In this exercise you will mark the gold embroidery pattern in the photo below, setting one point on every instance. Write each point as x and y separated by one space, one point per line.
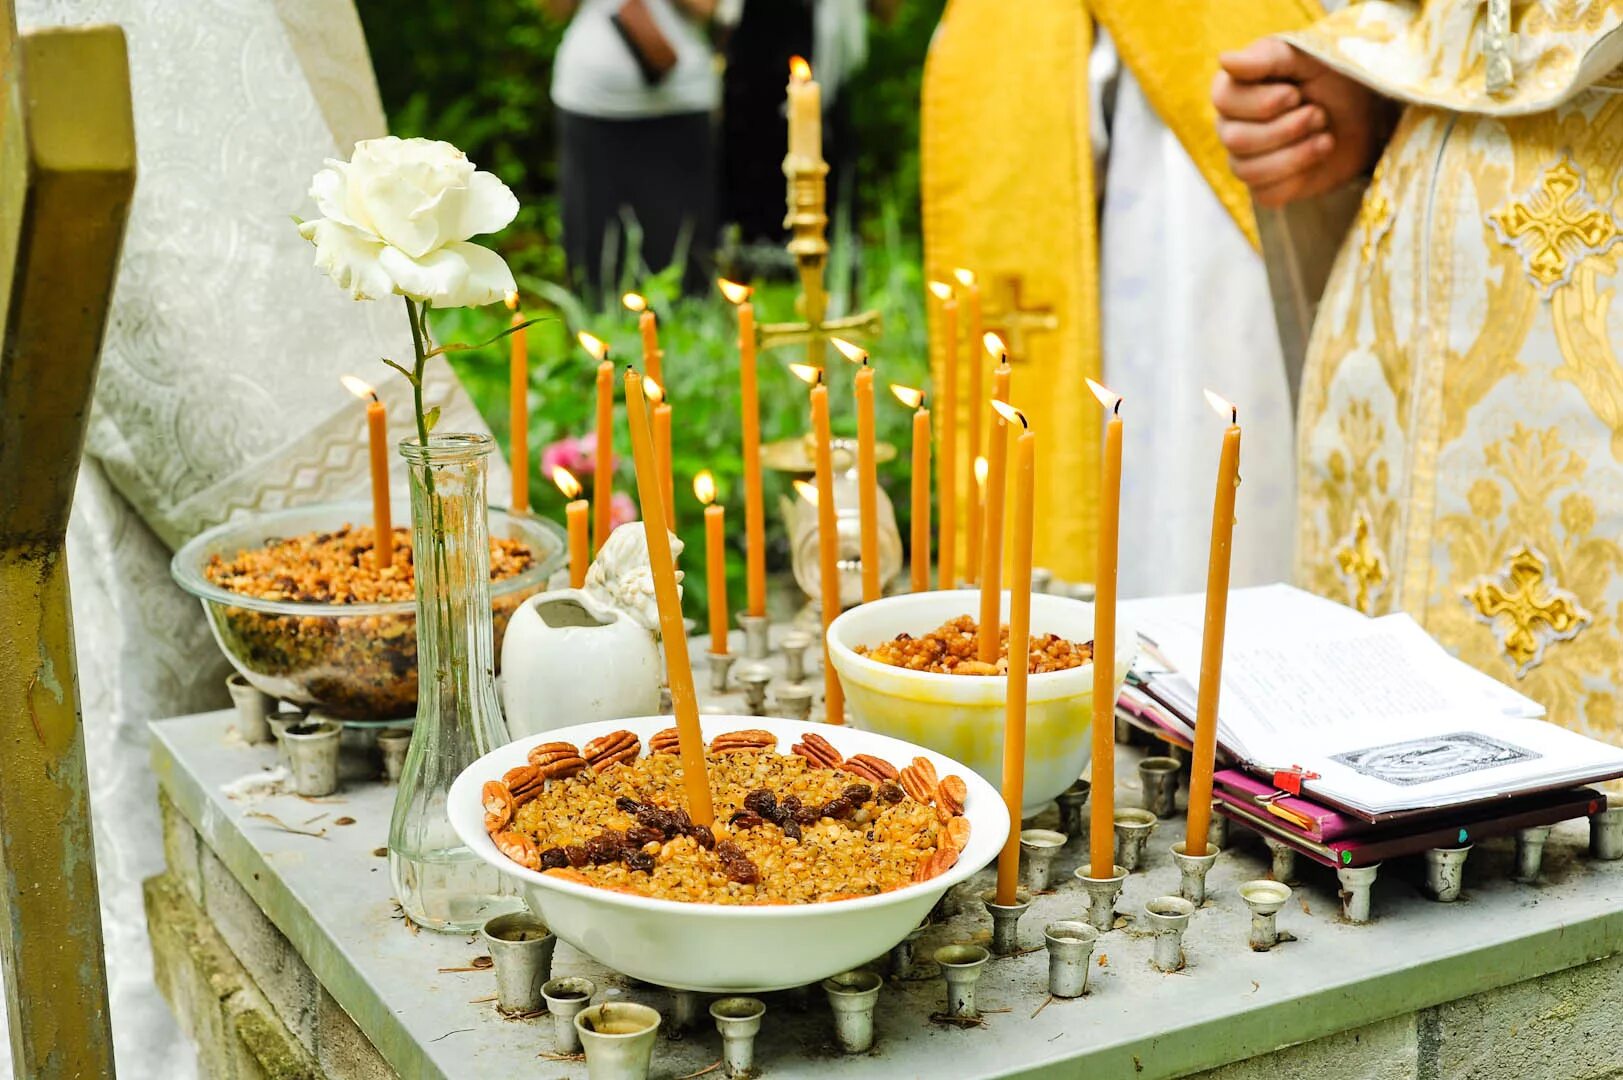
1555 225
1363 567
1374 213
1526 611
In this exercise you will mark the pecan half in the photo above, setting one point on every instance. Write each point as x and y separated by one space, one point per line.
876 769
562 767
951 793
552 751
525 782
936 864
520 848
817 750
612 749
498 803
919 780
749 739
664 742
955 833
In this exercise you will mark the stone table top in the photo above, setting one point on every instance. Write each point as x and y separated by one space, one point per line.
329 894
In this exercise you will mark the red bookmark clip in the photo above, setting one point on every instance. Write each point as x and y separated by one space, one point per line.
1291 779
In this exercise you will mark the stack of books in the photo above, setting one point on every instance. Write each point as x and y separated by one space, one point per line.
1357 739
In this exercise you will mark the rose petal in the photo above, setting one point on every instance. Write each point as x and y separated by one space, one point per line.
351 257
330 189
486 205
457 275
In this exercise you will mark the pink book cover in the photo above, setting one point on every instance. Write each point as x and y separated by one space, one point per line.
1301 816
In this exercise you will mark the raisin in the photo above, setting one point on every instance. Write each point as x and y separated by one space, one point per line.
891 792
857 794
577 856
808 815
554 858
638 835
789 807
640 860
629 805
839 810
652 817
791 829
741 870
762 802
680 822
704 837
746 820
726 849
603 848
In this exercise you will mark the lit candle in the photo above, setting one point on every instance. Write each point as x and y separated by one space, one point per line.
805 111
715 559
662 567
575 514
603 458
977 403
662 448
1014 711
749 403
1211 642
377 433
947 468
1102 838
997 481
979 470
828 532
867 469
919 548
518 395
648 327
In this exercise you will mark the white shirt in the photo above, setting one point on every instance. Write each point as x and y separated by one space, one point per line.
595 73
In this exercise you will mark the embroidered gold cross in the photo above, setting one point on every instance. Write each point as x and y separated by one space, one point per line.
1012 320
1525 611
1555 225
1362 562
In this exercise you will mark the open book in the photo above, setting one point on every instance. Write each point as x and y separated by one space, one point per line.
1379 710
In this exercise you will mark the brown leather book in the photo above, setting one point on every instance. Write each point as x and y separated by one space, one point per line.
649 47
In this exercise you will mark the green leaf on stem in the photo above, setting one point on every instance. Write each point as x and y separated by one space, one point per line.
411 377
457 346
431 419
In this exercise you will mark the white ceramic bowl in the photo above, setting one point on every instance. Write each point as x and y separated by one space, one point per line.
962 716
727 948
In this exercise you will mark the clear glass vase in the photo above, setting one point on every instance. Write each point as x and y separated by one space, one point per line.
438 881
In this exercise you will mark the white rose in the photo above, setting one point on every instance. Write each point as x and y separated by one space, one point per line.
396 219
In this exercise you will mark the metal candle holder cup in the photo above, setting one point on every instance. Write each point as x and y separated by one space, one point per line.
1445 872
794 702
1217 830
1192 871
1284 859
1168 917
520 947
1006 920
852 996
961 967
684 1013
253 707
738 1020
1530 852
721 664
1158 777
618 1037
1264 898
312 756
757 635
1040 846
279 722
392 745
1071 801
1133 828
754 676
1070 955
1356 884
1606 834
565 997
901 954
1102 895
794 646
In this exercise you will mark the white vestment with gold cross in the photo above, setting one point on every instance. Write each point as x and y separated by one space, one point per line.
1461 424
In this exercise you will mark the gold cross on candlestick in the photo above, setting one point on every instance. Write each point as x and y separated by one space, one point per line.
1011 320
807 221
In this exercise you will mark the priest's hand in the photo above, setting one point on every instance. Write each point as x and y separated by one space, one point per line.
1294 128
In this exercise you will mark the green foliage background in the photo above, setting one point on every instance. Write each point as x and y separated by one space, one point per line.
477 76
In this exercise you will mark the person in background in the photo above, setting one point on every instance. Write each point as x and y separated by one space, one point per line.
636 92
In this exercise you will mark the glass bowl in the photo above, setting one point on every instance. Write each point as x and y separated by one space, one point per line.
355 662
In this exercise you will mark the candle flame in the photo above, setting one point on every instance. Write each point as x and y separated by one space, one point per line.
854 353
982 469
1222 406
733 291
594 345
908 395
799 70
704 486
965 278
1107 397
566 482
806 491
941 290
512 300
807 373
995 347
652 390
358 387
1009 412
634 301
